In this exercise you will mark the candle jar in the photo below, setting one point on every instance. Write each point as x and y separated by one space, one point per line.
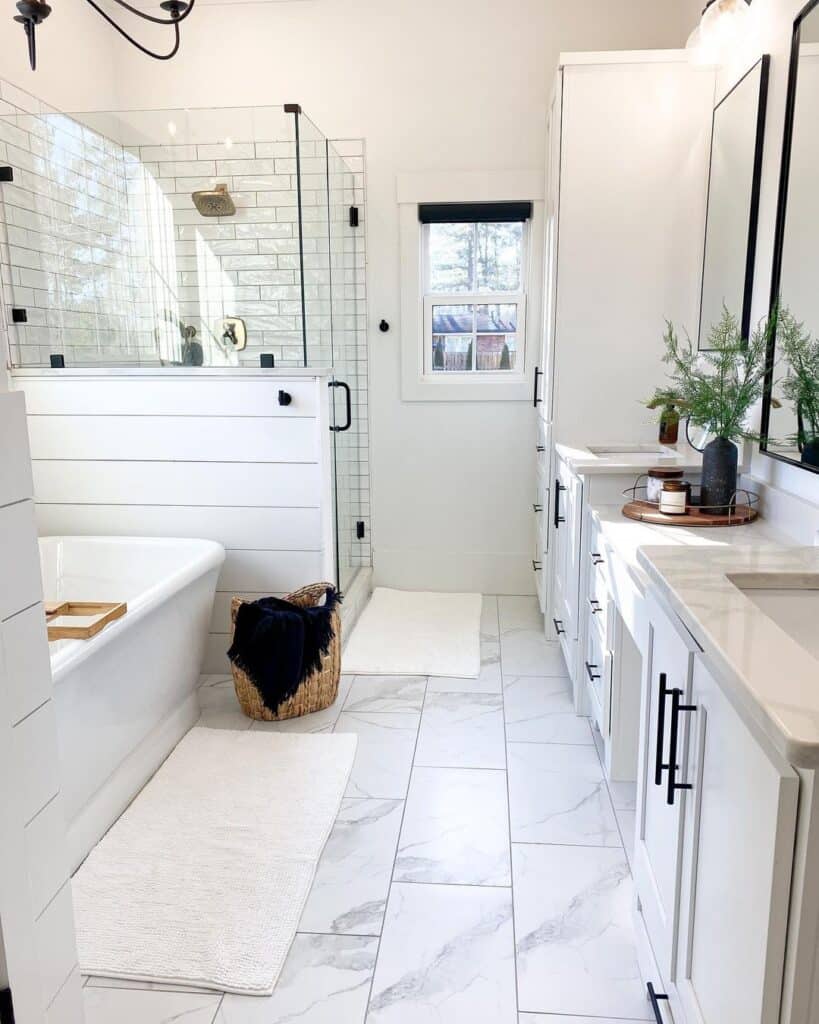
675 497
656 477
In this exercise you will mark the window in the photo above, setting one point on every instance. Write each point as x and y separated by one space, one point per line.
474 301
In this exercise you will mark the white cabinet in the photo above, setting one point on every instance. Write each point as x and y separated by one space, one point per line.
658 841
568 525
715 839
739 833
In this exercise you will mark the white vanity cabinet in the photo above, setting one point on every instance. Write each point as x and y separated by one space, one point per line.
715 835
568 525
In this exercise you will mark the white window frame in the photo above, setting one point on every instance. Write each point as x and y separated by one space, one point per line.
418 381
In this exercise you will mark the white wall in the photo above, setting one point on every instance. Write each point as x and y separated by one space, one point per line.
453 86
771 30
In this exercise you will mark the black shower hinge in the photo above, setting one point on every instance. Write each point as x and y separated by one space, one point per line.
18 315
6 1007
292 108
359 529
57 361
6 174
353 216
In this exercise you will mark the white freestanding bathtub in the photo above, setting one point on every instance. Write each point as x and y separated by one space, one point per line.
126 697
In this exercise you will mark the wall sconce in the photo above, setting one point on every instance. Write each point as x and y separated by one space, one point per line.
31 13
722 24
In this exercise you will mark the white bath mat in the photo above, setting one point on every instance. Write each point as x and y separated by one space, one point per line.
405 633
203 880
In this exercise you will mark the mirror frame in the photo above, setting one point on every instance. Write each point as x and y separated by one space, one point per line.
779 237
763 64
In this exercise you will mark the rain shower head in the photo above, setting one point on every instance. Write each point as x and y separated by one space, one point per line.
215 202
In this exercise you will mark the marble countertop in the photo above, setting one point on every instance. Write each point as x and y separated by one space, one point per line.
584 461
627 536
770 678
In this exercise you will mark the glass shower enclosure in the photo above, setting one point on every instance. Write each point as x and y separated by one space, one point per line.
230 237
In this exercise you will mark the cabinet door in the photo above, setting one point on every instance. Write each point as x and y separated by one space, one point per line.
658 842
571 497
740 826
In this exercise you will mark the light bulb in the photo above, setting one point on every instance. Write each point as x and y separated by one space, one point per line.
722 25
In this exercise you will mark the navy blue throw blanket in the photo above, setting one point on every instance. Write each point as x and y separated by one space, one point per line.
278 645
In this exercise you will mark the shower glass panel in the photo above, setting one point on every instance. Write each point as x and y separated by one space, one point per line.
194 237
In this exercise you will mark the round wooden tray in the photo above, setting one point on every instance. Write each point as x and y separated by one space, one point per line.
647 512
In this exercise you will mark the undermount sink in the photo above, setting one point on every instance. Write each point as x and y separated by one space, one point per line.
629 449
791 600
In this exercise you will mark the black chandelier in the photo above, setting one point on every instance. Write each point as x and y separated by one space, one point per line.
32 13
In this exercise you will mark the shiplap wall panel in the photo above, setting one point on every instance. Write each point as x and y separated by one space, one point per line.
169 395
275 529
176 438
279 485
191 455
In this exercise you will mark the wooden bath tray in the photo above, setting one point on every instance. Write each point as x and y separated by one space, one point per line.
101 613
647 512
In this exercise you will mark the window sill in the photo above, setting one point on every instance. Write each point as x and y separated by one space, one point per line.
464 388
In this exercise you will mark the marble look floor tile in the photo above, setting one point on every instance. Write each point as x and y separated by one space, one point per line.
153 986
456 828
325 980
519 613
489 618
386 693
318 721
627 820
148 1006
383 759
575 944
462 730
525 652
561 1018
541 710
349 893
446 956
219 707
489 680
557 795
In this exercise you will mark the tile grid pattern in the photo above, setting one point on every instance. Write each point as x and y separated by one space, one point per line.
466 876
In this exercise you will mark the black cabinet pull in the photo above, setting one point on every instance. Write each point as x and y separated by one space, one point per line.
537 566
654 998
558 517
659 765
590 671
558 623
595 605
348 398
537 508
596 557
541 448
285 398
538 373
676 708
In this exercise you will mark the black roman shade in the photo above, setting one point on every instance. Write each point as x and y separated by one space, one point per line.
467 213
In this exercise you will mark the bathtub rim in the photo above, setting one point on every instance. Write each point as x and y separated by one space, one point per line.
205 556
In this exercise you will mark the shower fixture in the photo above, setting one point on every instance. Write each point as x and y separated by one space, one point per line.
215 202
32 13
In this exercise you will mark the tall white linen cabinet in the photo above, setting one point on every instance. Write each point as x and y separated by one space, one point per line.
626 189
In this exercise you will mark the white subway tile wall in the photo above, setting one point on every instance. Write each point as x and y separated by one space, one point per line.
102 246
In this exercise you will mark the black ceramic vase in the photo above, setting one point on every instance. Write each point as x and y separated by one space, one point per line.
719 476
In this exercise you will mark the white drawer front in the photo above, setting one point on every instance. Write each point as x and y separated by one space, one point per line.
35 744
24 646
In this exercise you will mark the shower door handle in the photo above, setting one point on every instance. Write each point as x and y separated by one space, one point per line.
349 400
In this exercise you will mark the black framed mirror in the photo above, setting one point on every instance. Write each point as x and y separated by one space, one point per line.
790 410
737 142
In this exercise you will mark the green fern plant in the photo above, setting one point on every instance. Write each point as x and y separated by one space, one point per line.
801 382
718 387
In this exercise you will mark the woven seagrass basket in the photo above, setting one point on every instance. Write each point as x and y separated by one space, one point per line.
318 691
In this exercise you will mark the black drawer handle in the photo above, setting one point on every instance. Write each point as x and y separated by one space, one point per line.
654 998
537 566
538 373
537 508
541 448
659 764
676 709
558 623
558 517
349 405
595 606
597 558
590 670
285 398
